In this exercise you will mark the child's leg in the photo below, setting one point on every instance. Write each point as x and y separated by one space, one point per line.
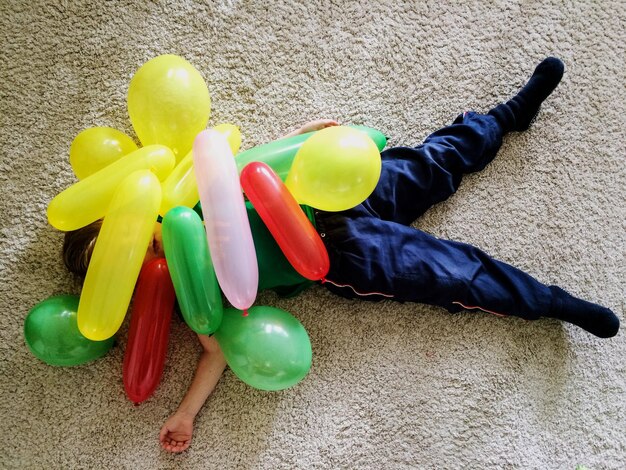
375 259
413 179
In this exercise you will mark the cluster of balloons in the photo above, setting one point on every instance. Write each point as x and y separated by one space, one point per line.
180 163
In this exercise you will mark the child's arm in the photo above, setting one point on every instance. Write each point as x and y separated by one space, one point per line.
313 126
175 435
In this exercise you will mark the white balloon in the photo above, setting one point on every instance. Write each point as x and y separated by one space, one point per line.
226 219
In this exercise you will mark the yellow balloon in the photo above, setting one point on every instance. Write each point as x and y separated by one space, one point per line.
180 187
87 201
97 147
335 169
118 255
168 103
232 134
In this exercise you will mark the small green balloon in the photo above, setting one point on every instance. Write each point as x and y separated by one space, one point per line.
191 269
52 335
268 349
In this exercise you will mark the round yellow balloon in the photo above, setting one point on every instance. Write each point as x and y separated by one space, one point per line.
335 169
97 147
118 255
168 103
180 187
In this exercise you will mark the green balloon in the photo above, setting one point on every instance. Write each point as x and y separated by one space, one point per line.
269 349
279 154
191 270
378 137
52 335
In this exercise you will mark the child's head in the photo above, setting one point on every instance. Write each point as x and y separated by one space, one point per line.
79 244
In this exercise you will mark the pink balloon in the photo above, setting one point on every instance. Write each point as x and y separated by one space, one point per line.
226 219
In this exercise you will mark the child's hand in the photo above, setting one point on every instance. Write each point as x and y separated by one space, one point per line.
175 435
311 126
317 125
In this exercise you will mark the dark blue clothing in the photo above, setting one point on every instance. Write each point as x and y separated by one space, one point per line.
376 254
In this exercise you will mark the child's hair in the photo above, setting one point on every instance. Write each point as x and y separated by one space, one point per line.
78 247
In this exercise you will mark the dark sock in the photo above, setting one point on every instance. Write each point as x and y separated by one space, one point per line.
517 113
593 318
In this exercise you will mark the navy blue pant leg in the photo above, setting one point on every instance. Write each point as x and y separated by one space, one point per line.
414 179
376 254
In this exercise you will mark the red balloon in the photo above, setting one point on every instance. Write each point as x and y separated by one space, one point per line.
286 221
153 304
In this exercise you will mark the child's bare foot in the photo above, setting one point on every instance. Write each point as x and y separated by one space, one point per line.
311 126
175 435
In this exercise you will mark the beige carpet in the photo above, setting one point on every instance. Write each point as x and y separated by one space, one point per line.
392 385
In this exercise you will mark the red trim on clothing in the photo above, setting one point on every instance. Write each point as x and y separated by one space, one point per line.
362 294
481 309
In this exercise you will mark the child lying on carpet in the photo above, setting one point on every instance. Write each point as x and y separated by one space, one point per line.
375 254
